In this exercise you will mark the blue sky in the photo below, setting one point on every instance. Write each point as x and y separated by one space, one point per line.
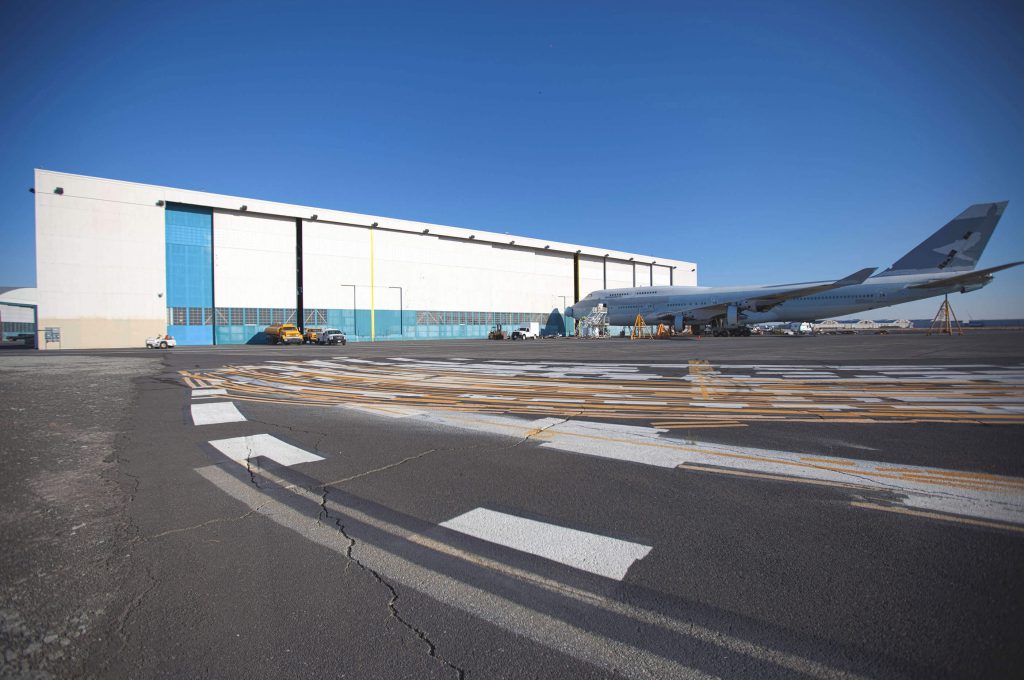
768 142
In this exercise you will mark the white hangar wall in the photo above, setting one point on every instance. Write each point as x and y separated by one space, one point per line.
662 275
99 263
119 261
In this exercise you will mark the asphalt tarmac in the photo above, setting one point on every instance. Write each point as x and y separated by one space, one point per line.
833 506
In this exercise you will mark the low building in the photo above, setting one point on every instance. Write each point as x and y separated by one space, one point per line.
117 262
18 317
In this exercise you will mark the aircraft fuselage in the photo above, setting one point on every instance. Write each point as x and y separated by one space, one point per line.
688 304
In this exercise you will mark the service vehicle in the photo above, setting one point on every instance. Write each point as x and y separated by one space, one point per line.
311 335
285 333
161 342
331 336
524 333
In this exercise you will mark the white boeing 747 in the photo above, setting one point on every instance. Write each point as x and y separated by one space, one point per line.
944 263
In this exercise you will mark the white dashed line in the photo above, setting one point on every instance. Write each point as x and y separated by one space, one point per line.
218 412
265 445
208 392
609 557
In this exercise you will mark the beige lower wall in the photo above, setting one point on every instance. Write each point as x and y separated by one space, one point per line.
100 333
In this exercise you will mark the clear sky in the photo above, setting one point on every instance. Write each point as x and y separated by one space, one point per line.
768 142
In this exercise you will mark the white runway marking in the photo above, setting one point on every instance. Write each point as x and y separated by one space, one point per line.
218 412
268 446
208 392
609 557
985 496
396 411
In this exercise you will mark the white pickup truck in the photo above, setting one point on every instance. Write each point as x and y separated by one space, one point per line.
524 333
331 336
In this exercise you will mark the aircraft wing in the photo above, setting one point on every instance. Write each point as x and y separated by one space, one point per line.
979 276
769 299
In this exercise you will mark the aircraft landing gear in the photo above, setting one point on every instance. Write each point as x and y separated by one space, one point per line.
733 332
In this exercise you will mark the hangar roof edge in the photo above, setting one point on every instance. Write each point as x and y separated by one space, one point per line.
148 194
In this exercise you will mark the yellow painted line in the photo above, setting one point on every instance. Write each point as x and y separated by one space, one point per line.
938 516
443 390
830 461
955 473
768 475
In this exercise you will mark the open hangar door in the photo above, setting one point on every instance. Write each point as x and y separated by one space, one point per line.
17 325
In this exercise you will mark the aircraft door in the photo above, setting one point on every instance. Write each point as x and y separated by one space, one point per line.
731 315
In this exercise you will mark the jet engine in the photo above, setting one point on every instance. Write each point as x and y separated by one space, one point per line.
731 315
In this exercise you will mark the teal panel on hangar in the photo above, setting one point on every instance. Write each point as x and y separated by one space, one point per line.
189 263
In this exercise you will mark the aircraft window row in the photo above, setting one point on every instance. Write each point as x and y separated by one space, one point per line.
841 297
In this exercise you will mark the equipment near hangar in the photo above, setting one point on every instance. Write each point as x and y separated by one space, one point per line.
118 262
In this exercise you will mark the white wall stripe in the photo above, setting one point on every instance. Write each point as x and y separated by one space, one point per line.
214 413
609 557
268 446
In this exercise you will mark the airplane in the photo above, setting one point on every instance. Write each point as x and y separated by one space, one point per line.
943 263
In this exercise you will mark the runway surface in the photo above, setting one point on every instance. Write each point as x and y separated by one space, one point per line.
737 507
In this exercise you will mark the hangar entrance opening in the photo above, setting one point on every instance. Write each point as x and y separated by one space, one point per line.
18 325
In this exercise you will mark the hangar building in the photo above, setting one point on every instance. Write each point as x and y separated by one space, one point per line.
117 262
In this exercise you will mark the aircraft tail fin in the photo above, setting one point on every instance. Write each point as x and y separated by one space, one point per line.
956 247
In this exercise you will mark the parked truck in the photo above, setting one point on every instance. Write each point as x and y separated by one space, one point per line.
531 332
331 336
285 333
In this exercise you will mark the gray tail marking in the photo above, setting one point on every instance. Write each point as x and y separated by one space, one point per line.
954 248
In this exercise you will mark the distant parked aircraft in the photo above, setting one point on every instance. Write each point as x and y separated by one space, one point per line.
943 263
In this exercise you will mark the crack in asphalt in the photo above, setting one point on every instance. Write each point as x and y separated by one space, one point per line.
133 529
393 610
290 428
385 467
217 520
533 433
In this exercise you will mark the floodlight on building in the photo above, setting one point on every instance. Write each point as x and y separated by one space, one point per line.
511 243
472 236
59 190
31 190
314 218
426 231
160 204
244 208
546 247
